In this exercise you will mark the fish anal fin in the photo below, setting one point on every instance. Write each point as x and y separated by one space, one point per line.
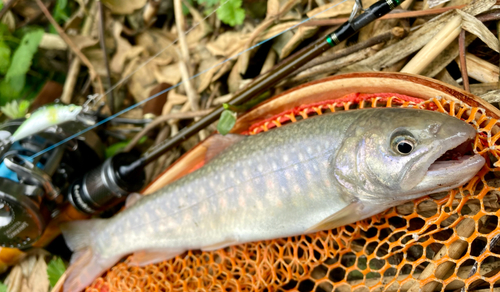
345 216
217 143
146 257
132 199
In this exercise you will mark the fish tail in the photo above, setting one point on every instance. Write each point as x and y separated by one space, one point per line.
86 263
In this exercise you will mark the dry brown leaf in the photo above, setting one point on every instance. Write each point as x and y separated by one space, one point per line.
26 8
142 82
173 99
167 74
156 40
201 30
52 41
226 43
206 78
244 59
341 9
124 6
38 280
9 20
476 27
14 279
234 79
273 8
226 67
96 58
302 33
124 50
82 42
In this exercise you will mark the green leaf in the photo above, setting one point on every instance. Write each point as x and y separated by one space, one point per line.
115 148
3 287
21 61
4 57
185 9
231 13
226 122
55 269
15 109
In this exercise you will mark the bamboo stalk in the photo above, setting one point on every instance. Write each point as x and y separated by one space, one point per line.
437 44
480 69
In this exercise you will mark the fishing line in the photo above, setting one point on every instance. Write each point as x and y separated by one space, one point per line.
177 85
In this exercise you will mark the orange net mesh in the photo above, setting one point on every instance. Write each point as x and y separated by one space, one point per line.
436 243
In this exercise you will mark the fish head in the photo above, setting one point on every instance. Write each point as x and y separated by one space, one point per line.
401 154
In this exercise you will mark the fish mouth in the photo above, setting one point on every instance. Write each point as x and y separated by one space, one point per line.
453 167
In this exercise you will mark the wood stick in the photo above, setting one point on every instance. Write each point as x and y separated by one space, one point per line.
392 15
437 44
480 69
111 102
463 63
74 67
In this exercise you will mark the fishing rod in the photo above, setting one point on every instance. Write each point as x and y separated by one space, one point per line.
263 82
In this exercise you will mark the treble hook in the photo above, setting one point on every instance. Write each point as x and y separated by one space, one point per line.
356 9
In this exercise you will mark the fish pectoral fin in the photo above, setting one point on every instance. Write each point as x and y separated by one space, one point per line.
219 245
347 215
132 199
217 143
146 257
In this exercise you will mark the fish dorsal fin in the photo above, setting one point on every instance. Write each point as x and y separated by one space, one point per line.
343 217
132 199
218 143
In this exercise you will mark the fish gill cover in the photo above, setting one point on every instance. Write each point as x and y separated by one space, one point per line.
443 242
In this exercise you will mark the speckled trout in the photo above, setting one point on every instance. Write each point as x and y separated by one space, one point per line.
316 174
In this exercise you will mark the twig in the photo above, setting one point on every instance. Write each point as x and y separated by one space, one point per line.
70 43
74 67
179 23
111 100
161 119
6 7
212 95
463 64
392 15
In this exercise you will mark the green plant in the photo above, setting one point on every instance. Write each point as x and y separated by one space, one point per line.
14 67
55 269
229 12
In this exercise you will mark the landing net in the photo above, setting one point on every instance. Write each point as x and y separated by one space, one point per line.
446 241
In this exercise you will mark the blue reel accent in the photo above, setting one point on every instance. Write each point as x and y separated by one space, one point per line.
5 172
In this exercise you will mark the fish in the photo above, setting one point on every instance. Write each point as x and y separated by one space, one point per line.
45 117
316 174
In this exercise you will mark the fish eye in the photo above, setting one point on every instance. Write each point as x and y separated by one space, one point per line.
404 147
403 144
